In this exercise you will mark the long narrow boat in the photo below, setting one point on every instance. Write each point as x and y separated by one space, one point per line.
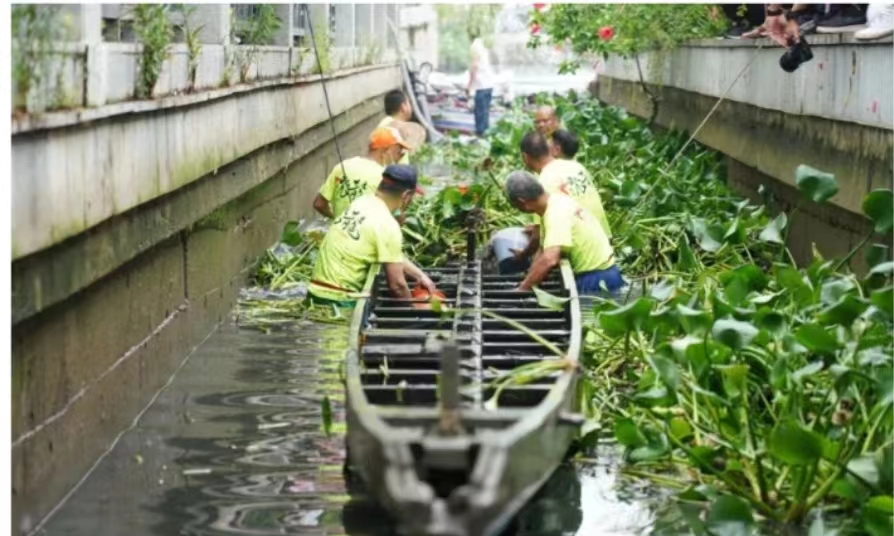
422 431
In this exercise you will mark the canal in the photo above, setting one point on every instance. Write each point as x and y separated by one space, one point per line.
234 444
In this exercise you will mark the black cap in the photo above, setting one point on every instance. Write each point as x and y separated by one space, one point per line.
399 177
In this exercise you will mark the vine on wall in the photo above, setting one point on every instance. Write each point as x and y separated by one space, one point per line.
258 30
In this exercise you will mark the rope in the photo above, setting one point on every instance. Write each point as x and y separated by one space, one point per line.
313 39
697 130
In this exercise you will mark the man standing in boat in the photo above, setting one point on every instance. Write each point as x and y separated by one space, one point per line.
569 231
368 232
359 175
568 177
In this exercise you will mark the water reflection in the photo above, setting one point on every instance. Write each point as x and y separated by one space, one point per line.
235 446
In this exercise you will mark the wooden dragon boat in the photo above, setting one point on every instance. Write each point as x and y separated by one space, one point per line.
422 430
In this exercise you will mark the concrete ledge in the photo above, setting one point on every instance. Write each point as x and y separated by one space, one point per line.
846 81
53 275
67 180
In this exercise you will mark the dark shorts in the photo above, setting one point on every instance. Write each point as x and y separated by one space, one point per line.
514 266
591 283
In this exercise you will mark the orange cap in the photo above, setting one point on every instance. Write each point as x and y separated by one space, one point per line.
384 137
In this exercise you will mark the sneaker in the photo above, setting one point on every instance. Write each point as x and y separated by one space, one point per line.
806 22
880 19
842 22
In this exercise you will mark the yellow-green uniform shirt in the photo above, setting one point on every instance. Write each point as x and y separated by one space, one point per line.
387 120
572 179
365 234
364 176
572 228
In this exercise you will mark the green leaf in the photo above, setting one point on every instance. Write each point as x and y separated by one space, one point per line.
625 319
734 333
816 185
655 397
877 516
549 301
680 428
834 290
879 206
770 320
844 312
694 322
792 280
704 236
730 516
686 260
876 254
628 433
663 290
865 468
290 234
793 444
816 339
885 269
846 489
735 379
883 300
773 231
667 371
806 371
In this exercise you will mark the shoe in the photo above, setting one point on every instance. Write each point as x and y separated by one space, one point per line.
842 22
806 22
880 19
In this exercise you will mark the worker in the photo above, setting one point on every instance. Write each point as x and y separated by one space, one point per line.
569 231
386 146
546 121
367 233
564 144
568 177
398 110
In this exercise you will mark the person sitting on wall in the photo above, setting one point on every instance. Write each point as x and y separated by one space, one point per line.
567 177
359 175
569 231
366 233
564 144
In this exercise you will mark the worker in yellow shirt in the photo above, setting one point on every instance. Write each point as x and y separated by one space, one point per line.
359 175
365 234
546 121
564 144
397 108
569 231
568 177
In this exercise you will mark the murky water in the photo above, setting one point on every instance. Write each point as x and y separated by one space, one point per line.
234 446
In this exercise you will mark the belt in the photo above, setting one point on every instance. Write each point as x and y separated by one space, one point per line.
330 286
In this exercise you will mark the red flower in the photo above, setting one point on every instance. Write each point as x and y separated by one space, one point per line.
606 33
535 29
538 7
462 188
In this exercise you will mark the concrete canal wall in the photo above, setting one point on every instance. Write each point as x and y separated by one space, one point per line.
835 113
136 222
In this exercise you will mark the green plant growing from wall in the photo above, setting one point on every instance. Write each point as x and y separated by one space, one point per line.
322 42
626 30
258 30
372 53
35 28
154 31
193 45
